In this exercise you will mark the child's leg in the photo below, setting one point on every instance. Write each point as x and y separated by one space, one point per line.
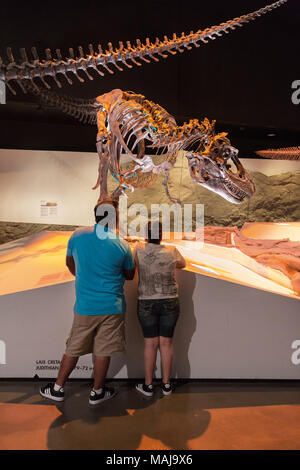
169 309
150 352
166 355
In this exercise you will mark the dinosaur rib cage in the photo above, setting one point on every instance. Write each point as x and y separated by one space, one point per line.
157 125
144 124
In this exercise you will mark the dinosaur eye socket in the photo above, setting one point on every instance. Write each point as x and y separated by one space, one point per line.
226 152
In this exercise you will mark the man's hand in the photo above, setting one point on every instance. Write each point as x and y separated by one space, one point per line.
71 264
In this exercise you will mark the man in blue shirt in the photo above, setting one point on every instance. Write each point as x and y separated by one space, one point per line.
100 261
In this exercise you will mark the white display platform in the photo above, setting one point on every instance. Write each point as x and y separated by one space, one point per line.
225 330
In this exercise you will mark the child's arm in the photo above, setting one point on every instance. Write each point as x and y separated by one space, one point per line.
180 261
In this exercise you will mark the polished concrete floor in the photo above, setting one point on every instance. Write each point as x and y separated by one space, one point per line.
199 415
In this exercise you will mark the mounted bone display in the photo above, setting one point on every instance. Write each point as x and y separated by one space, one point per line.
103 61
127 122
290 153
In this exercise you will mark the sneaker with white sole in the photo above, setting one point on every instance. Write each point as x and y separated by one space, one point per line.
106 394
48 392
146 390
167 388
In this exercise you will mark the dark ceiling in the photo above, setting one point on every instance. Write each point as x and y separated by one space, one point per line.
243 79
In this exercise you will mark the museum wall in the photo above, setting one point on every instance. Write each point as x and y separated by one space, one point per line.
30 180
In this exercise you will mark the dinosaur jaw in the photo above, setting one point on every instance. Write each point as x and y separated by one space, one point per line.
234 193
234 187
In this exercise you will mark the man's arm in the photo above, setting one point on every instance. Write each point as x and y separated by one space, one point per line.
129 265
71 264
129 274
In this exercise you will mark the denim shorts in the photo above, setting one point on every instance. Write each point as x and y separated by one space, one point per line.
158 317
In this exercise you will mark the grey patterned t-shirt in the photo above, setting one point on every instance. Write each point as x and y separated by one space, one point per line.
156 266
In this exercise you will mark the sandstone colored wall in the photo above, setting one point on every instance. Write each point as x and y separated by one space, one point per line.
14 230
277 199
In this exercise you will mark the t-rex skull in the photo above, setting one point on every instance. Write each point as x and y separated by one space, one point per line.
218 169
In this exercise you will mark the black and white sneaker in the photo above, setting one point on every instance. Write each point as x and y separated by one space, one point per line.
146 390
106 394
48 392
167 389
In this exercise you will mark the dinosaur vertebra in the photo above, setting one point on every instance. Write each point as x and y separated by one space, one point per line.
290 153
101 62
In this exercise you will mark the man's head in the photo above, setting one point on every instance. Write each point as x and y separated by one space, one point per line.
153 232
107 213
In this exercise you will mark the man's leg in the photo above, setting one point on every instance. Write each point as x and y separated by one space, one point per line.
101 364
55 391
150 353
68 363
166 354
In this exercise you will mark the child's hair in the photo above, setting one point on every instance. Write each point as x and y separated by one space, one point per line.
153 232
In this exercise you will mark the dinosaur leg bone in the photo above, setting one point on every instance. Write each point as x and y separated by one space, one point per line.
165 185
102 171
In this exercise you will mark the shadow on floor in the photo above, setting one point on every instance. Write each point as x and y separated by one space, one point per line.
130 421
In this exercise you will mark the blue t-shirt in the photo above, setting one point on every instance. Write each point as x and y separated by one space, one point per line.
99 264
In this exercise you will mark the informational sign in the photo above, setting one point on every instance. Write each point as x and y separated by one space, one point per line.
49 209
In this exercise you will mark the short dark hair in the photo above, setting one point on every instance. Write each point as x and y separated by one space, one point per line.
154 231
112 202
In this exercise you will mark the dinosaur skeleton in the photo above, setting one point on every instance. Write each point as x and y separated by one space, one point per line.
101 62
290 153
127 122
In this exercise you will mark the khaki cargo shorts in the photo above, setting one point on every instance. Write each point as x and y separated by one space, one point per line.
102 335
